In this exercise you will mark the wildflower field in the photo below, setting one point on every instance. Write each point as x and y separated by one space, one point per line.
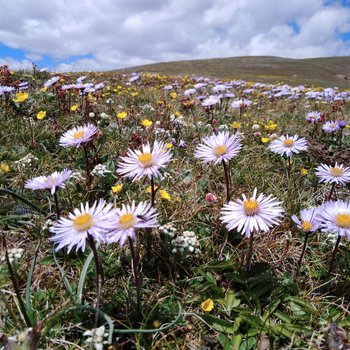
141 211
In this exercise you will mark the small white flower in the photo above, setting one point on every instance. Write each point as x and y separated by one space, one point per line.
100 170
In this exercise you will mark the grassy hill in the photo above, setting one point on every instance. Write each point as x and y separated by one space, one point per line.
326 71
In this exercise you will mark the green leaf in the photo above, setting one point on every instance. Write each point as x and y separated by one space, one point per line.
219 324
282 316
248 344
306 306
225 342
231 301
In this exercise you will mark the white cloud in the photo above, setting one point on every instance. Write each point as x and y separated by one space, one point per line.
124 33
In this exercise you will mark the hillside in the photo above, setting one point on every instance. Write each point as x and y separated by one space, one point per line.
329 71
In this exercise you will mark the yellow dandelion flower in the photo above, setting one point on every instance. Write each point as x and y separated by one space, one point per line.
169 145
4 167
236 125
133 94
41 115
74 108
122 115
149 189
146 123
117 188
165 195
265 139
21 97
207 305
304 172
173 95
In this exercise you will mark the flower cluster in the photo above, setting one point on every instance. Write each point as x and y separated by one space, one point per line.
26 161
96 337
100 170
13 255
186 242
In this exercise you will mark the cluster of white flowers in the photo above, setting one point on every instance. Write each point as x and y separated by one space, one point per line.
96 337
162 131
25 161
100 170
187 242
104 115
77 175
14 254
168 229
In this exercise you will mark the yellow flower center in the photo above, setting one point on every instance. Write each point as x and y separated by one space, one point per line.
335 171
343 220
251 207
288 142
83 222
146 159
306 226
79 134
220 150
126 221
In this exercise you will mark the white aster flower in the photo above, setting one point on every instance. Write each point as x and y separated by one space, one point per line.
50 182
131 217
52 81
137 164
254 214
335 218
338 174
309 220
288 145
241 103
314 117
330 126
211 101
218 148
78 135
74 230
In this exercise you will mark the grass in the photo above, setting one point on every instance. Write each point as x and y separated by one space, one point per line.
55 292
326 72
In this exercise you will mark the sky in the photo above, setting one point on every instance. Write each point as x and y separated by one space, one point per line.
72 35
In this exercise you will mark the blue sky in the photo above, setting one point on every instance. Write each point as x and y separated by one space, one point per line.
66 35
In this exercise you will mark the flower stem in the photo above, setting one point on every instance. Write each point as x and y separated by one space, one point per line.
58 212
331 263
31 133
289 167
153 192
87 164
137 279
331 191
250 252
302 252
99 276
227 180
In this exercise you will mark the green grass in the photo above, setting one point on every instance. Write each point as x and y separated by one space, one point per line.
329 71
288 308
